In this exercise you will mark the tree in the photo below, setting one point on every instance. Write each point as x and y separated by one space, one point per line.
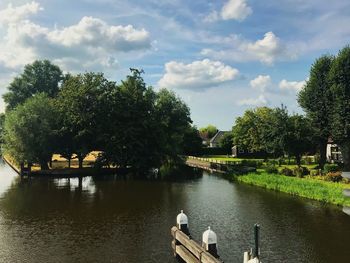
209 131
30 131
252 129
340 117
317 101
174 121
299 137
192 142
226 142
39 77
80 114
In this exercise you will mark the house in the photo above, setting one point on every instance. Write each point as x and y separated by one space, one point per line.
333 152
240 152
215 141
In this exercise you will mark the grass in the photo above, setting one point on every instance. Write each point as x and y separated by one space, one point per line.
327 192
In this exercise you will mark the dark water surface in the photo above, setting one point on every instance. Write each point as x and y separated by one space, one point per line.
113 220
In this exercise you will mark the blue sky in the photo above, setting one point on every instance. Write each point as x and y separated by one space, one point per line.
221 57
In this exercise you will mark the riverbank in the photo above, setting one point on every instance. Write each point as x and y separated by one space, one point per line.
61 172
328 192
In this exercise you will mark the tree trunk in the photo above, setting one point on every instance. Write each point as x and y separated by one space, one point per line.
43 165
80 159
69 160
323 153
345 150
298 159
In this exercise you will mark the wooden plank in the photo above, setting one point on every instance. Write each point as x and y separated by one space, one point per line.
186 255
193 246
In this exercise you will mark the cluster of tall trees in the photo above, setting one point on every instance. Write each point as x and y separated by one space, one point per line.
71 115
326 100
275 132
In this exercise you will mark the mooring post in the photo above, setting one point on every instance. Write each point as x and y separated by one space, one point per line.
182 223
209 242
256 252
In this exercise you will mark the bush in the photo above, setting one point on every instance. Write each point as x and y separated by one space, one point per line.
315 173
330 168
300 171
333 177
287 172
271 169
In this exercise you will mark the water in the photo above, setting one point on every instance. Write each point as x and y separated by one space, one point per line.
113 220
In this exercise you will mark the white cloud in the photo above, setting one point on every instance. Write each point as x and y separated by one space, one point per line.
232 10
236 9
15 14
90 42
261 82
291 85
266 50
260 101
197 75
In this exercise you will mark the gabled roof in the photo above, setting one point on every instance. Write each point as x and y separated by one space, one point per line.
218 136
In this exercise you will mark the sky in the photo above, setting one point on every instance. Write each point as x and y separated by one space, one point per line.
221 57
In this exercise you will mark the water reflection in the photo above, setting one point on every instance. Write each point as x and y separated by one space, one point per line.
113 219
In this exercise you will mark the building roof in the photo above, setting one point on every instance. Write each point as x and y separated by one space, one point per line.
218 136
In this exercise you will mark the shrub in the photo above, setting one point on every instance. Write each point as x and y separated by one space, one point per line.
271 169
330 167
250 163
287 172
333 177
300 171
315 173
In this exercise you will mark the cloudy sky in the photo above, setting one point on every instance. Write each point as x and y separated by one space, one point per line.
221 57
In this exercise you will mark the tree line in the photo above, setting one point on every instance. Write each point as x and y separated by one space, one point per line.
326 101
130 124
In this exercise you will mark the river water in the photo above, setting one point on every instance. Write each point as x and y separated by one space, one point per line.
115 220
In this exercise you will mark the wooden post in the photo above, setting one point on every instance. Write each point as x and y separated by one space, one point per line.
189 250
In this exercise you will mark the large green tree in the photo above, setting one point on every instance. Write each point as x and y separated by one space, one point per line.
80 114
251 131
317 101
226 142
340 119
174 121
30 131
39 77
299 137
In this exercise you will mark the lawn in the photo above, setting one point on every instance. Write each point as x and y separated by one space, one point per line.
327 192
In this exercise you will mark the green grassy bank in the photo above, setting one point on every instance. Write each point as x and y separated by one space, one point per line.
328 192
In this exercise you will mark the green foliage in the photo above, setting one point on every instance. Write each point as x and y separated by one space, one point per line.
327 192
192 142
317 101
287 172
300 171
299 137
209 131
39 77
340 120
333 177
30 130
226 142
272 169
80 109
330 167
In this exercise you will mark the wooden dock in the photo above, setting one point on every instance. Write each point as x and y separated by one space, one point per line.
189 250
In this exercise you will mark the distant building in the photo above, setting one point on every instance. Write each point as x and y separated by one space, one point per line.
333 152
240 152
215 141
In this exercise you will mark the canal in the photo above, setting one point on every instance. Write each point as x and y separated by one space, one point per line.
118 220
